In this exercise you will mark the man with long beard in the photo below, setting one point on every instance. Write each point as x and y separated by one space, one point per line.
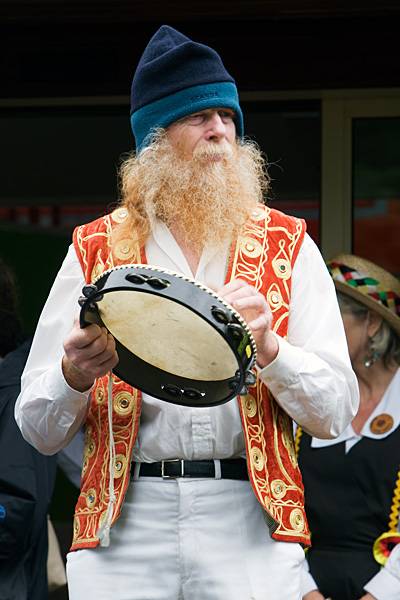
231 523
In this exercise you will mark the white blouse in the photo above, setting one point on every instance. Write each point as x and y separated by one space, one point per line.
385 585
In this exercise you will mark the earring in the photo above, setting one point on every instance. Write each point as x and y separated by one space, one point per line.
372 356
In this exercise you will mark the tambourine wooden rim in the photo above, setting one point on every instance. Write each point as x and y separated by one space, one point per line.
217 313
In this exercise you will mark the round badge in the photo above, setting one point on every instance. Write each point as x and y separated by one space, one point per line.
381 424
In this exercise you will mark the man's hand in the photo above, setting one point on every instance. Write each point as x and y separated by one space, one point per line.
368 597
254 309
89 353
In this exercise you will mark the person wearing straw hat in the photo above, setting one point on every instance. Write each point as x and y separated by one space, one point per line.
179 502
352 483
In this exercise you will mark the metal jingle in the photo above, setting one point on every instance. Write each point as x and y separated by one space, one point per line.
136 278
220 315
236 331
193 394
157 283
89 289
172 390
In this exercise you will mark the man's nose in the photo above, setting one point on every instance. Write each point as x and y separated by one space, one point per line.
216 128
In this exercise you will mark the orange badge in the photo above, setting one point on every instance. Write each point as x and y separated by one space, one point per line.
381 424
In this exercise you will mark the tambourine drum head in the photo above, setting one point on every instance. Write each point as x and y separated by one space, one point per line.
167 335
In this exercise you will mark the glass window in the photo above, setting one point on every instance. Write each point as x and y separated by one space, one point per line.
62 155
289 133
376 191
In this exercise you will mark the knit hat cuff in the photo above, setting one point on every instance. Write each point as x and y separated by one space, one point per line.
165 111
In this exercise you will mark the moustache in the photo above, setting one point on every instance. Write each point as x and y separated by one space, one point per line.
213 152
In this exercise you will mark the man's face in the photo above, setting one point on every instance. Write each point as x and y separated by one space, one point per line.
214 125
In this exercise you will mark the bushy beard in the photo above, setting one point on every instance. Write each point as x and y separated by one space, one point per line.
206 199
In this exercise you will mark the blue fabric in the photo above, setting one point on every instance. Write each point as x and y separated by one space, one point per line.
177 77
168 110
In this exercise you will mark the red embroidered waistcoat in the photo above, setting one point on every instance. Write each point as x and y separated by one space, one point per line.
264 255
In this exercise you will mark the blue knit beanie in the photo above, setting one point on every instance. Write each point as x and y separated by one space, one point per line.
177 77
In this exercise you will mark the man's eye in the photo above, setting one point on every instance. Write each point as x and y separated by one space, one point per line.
226 116
194 119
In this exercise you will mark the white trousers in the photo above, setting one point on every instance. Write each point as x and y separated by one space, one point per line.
188 539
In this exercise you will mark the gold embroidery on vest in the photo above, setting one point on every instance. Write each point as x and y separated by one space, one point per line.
100 393
98 268
277 496
253 233
119 215
124 250
284 428
90 496
120 465
278 488
249 405
297 520
123 403
274 298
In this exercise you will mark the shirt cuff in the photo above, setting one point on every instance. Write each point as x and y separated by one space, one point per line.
384 586
59 388
284 370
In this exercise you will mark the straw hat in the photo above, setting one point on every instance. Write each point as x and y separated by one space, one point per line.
368 284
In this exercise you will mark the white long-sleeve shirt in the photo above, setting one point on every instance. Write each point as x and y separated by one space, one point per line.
311 376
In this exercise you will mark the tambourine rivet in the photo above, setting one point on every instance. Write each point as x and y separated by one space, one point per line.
89 289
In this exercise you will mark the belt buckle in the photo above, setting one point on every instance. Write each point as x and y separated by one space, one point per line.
172 460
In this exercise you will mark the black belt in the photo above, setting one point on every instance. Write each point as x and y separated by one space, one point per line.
231 468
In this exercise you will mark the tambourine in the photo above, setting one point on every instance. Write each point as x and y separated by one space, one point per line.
175 338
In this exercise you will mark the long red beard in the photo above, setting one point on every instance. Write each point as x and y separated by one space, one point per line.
207 198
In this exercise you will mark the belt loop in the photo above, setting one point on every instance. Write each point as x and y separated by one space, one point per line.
217 467
136 471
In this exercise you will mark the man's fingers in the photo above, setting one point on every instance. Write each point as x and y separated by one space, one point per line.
81 338
232 286
260 323
251 302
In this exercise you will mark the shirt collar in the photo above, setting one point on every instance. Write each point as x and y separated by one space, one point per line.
163 237
389 404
